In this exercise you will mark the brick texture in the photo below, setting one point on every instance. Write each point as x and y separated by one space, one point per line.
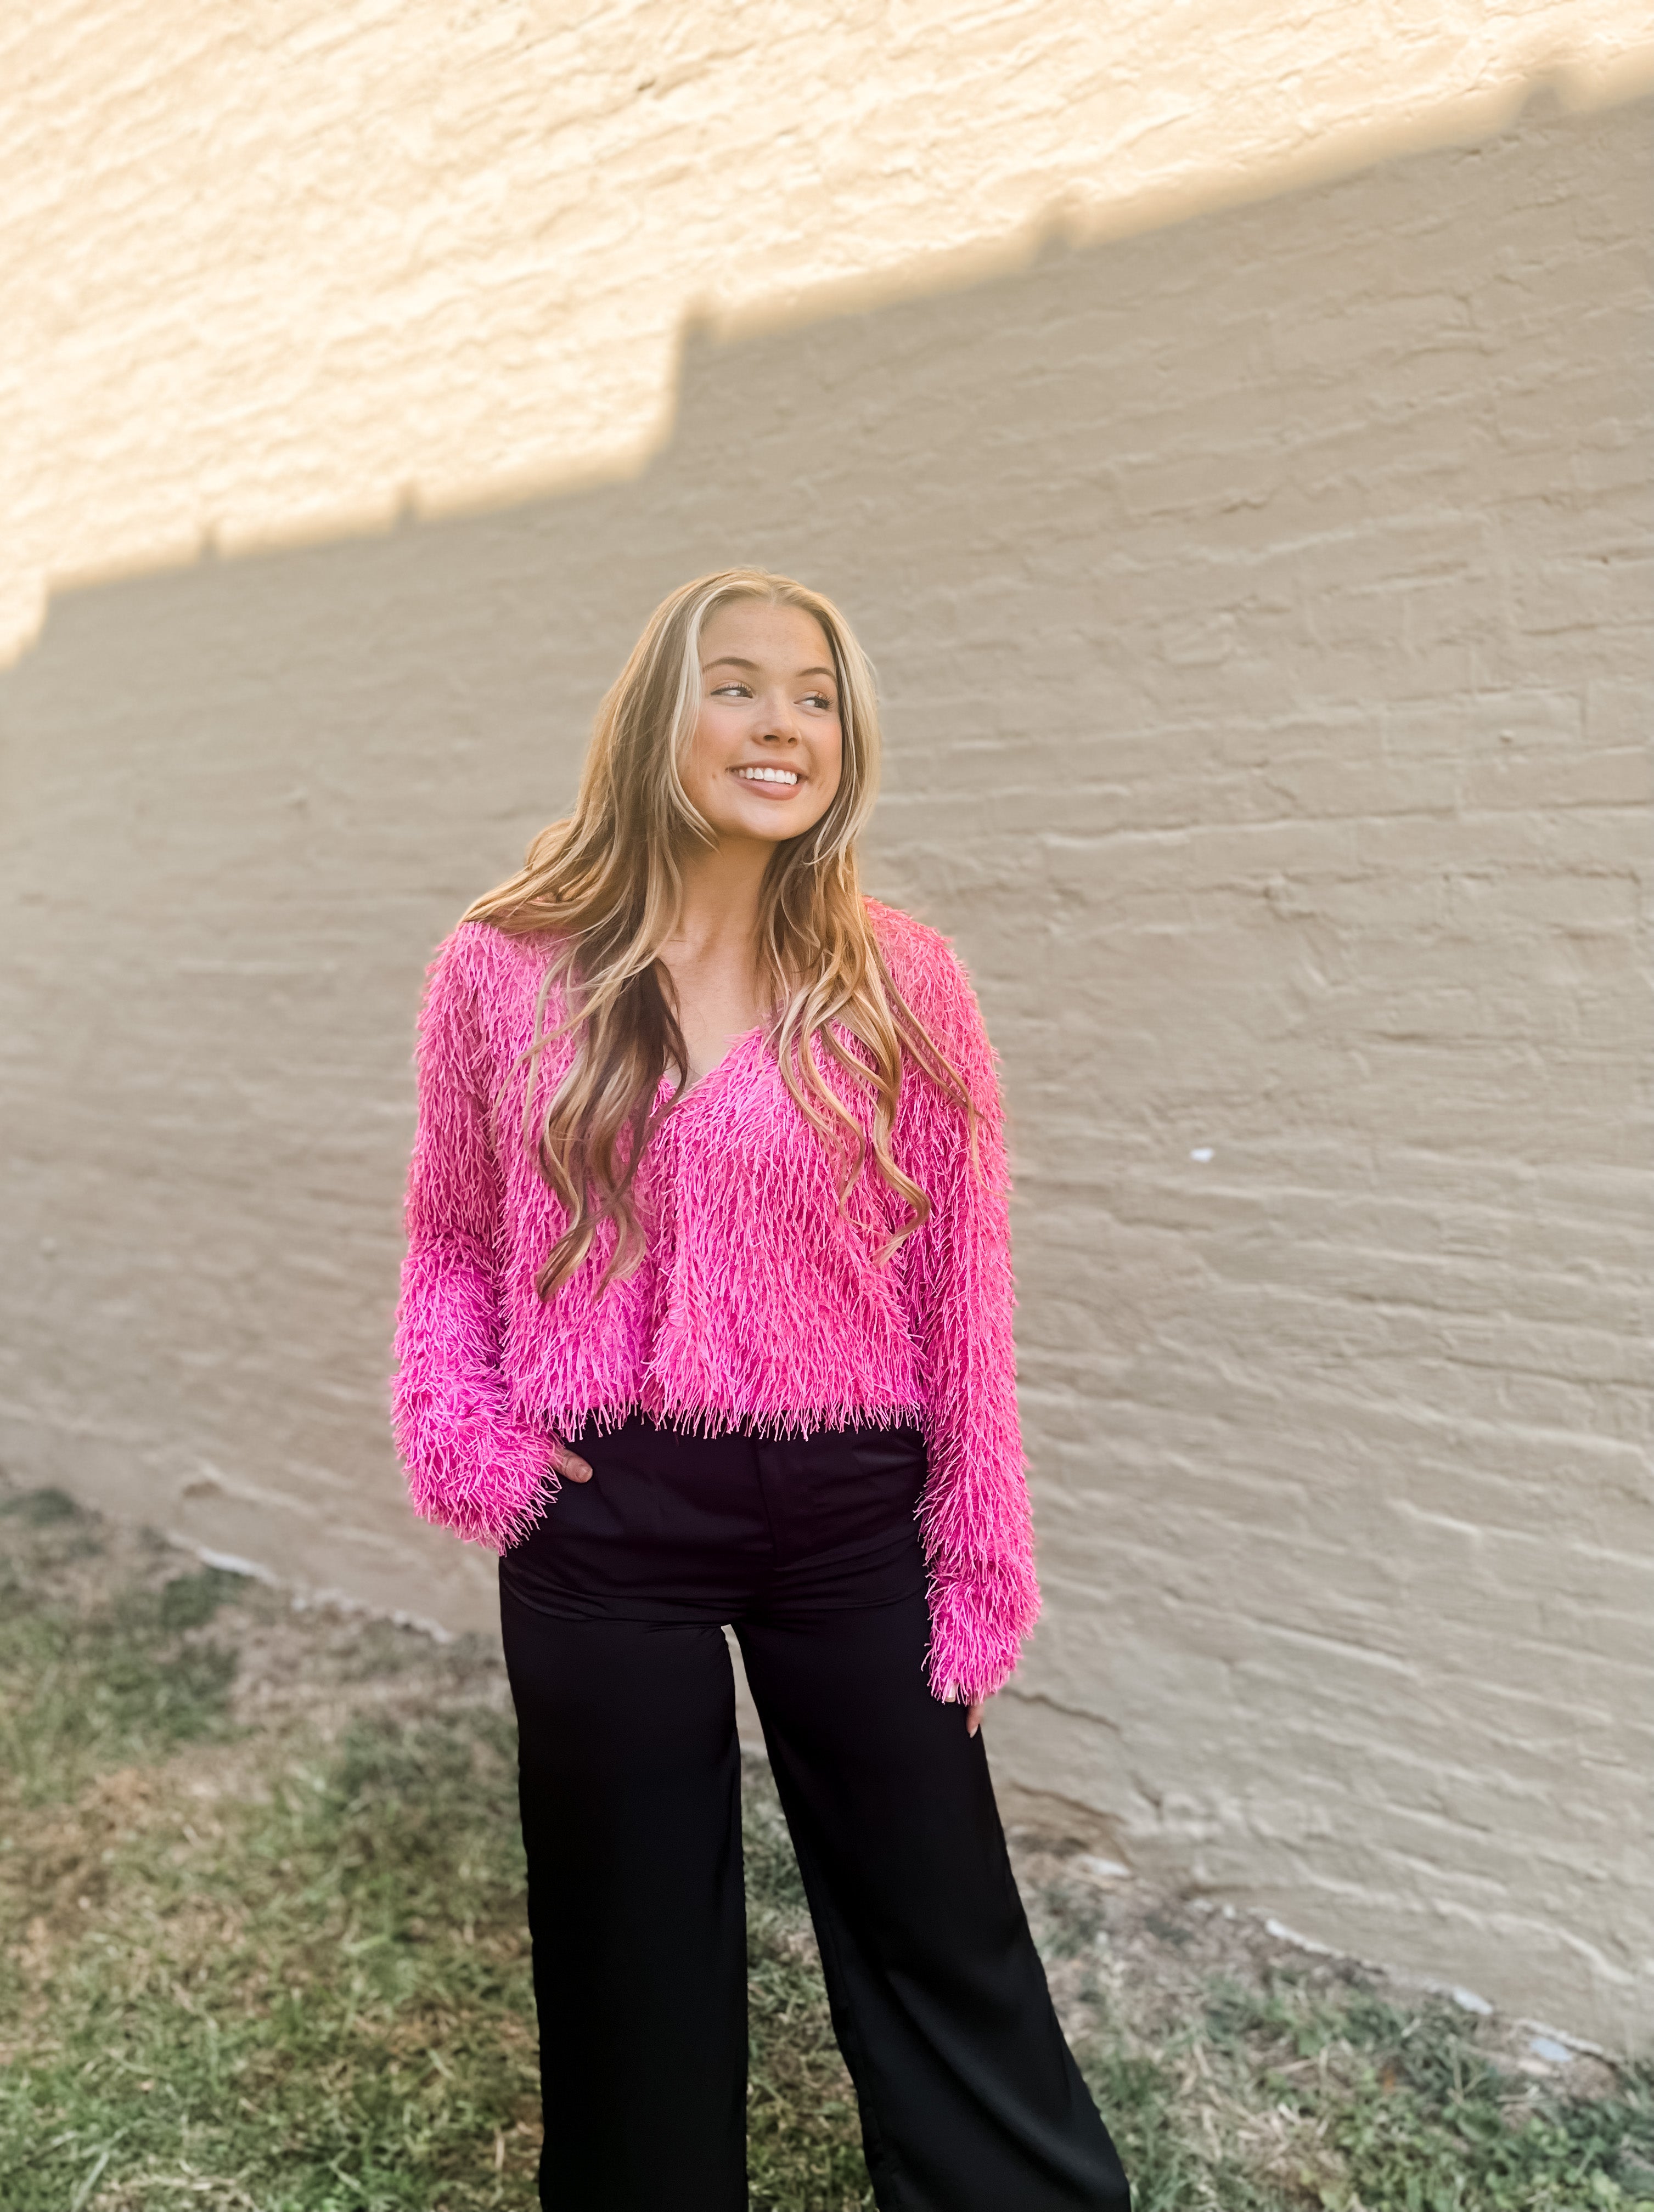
1262 610
275 270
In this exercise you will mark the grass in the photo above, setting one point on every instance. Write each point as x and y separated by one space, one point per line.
1351 2104
1403 2110
126 1683
261 1950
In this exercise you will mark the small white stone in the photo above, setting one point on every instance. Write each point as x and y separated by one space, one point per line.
1102 1870
1283 1934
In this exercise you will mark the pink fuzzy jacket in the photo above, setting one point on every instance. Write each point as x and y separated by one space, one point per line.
758 1303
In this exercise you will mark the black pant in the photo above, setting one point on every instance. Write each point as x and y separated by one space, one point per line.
613 1610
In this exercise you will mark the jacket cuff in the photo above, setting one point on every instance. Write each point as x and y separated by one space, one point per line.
490 1480
979 1614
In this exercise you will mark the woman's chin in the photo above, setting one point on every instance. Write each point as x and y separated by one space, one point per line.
762 821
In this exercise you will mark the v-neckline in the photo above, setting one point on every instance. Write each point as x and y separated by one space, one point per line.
718 1066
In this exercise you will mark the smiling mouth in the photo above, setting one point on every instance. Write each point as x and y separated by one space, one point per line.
773 778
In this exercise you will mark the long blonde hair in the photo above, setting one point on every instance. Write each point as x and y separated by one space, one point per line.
605 886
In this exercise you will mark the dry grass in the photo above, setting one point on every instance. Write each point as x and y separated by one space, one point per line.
261 1950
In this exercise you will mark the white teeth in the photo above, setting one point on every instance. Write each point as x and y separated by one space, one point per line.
767 775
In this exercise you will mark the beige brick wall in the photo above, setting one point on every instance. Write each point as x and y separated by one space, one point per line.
1259 607
271 271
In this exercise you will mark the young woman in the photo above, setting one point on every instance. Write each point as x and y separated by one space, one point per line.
705 1318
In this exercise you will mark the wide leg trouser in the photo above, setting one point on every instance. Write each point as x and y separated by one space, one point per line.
969 2098
631 1817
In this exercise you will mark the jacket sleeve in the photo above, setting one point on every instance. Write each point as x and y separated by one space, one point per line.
472 1464
975 1515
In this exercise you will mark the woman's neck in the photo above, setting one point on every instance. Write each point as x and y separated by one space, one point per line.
718 911
711 954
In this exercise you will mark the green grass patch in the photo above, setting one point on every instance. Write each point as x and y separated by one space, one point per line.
327 2007
1402 2110
123 1683
266 1969
330 2008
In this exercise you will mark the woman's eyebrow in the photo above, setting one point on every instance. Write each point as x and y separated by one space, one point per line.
734 660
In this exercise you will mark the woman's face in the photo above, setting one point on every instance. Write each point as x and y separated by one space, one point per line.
768 748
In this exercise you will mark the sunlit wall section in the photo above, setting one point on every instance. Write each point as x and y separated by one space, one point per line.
281 269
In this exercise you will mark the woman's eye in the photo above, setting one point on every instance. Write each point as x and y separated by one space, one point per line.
819 699
739 690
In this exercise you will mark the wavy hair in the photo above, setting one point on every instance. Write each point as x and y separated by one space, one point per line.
605 886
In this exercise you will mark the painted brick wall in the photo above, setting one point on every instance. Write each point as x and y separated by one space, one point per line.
1261 608
276 270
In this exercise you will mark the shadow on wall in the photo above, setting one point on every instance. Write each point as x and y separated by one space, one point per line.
1262 673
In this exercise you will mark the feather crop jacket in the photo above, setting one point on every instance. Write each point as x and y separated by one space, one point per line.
760 1303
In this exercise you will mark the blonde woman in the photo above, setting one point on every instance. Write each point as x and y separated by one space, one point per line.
706 1319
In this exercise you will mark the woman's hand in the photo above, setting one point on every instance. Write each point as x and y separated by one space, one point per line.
569 1465
973 1710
